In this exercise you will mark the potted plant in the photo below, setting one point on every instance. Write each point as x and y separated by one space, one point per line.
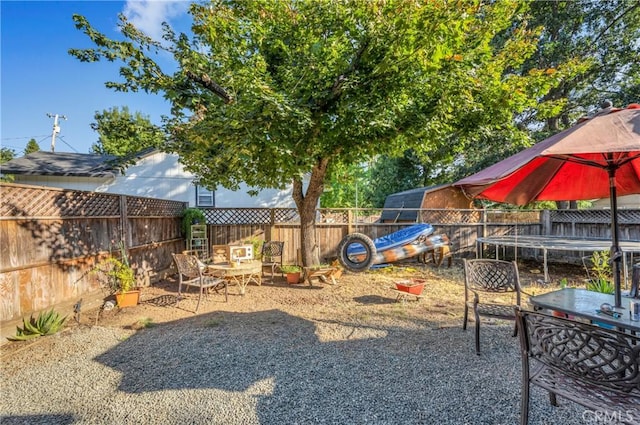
293 273
117 275
191 216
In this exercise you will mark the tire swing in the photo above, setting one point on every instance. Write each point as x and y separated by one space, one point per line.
364 247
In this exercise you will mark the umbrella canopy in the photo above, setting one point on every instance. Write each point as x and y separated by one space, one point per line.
597 158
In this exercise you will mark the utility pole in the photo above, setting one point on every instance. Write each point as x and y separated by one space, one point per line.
56 128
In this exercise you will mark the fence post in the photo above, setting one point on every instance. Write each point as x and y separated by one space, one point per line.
483 224
124 222
483 219
272 223
545 222
349 221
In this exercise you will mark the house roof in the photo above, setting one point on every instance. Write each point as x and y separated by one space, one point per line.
63 164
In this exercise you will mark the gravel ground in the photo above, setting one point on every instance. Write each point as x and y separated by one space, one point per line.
270 363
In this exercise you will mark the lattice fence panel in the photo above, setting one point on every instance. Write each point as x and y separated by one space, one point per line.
450 216
221 216
286 215
333 216
237 216
367 215
150 207
19 201
594 216
520 217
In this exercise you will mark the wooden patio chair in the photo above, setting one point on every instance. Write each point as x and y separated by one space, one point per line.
191 273
485 280
595 367
271 255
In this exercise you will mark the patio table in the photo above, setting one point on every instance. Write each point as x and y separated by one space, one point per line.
584 303
241 274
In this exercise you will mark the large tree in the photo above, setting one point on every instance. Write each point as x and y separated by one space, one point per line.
270 92
347 187
603 36
395 174
599 39
122 133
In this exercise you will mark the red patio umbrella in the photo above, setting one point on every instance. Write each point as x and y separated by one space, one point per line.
597 158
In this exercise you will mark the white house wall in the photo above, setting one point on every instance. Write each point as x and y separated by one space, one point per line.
73 183
160 175
267 198
157 175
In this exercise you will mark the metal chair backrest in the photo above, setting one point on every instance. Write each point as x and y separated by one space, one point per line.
491 275
272 249
596 367
188 265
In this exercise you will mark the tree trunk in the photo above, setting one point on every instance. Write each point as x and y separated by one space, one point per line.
306 204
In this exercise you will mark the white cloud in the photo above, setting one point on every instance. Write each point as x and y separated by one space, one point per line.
148 15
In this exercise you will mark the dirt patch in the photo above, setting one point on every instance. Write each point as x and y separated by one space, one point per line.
362 298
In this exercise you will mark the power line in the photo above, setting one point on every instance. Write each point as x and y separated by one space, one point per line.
24 137
23 147
63 141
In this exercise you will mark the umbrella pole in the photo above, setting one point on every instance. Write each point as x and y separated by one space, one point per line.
616 254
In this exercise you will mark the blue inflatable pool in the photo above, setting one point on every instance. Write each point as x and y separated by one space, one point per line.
395 239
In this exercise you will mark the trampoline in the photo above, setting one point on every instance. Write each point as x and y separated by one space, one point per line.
556 243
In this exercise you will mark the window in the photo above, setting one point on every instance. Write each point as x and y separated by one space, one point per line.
204 197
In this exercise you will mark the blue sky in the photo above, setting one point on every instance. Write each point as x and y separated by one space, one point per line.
38 76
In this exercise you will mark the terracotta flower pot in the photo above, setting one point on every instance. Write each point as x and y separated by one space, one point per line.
293 278
128 299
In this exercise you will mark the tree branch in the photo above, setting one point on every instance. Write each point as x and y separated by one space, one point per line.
604 31
336 89
205 81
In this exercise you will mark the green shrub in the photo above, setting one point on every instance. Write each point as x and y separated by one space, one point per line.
47 323
291 269
602 280
600 285
116 273
190 216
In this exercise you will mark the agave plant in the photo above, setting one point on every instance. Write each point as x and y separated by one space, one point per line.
47 323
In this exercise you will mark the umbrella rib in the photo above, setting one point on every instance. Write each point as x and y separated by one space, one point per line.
589 163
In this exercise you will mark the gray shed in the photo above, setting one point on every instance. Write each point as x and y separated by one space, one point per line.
443 196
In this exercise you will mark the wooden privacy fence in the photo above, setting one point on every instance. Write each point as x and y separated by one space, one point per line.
230 225
52 238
